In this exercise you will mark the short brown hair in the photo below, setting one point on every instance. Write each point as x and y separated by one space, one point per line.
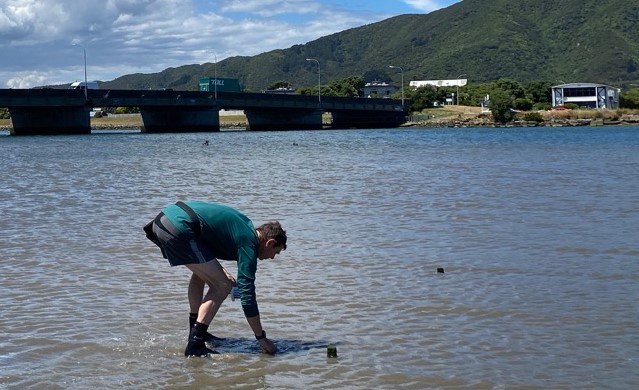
273 230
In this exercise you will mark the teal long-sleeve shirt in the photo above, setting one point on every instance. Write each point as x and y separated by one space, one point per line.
231 236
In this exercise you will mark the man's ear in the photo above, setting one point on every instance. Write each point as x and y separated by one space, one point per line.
271 242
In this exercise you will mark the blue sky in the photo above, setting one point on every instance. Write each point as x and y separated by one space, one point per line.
43 41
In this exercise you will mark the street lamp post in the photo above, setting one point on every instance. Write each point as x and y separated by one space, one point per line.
215 76
86 85
402 71
459 77
319 80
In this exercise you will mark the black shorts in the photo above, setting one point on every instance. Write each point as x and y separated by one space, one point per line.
177 247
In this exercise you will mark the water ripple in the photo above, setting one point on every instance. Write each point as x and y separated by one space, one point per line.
535 231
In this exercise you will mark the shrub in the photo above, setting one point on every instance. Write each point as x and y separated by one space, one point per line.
500 106
542 106
629 99
523 104
571 106
533 117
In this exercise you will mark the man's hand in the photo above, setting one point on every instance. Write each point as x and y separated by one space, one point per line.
268 346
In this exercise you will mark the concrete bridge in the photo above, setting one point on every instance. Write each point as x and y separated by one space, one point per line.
66 111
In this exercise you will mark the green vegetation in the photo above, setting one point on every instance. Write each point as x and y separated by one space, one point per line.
630 98
501 104
523 98
122 110
4 113
424 97
523 104
348 87
533 117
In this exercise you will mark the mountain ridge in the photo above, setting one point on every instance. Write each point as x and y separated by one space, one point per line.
485 40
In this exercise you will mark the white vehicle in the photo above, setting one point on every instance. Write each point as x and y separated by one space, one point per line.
80 85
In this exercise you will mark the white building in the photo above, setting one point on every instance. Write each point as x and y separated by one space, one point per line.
80 85
378 89
586 95
439 83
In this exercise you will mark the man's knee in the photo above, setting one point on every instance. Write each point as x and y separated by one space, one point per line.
225 287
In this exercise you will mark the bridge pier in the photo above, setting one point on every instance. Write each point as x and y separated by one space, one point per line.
50 120
354 119
180 119
283 119
66 111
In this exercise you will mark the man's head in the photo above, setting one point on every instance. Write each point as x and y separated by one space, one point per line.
272 240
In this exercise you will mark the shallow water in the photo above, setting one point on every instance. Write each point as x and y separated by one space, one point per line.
536 230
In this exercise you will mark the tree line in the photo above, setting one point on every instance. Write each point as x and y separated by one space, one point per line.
500 96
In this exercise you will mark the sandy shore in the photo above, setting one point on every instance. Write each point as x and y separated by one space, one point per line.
116 122
135 121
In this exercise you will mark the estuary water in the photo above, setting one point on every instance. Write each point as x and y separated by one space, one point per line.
537 231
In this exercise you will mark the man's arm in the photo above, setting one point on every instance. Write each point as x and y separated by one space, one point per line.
246 268
266 344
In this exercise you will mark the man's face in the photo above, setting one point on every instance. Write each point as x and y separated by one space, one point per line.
269 249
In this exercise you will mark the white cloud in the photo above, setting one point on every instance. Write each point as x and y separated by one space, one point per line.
26 80
147 36
427 5
269 8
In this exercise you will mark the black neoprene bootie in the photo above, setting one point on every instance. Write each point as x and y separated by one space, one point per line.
209 338
196 346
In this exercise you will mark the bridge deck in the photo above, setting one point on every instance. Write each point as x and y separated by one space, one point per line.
65 111
158 98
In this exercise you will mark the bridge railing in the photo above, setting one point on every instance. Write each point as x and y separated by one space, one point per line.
41 97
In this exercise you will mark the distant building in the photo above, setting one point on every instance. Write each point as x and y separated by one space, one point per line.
280 91
80 85
378 89
586 95
439 83
219 84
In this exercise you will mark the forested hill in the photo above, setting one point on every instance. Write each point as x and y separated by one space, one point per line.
557 40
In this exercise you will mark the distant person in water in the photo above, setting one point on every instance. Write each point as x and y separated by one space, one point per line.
199 234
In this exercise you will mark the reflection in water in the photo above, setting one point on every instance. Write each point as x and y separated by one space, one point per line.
284 346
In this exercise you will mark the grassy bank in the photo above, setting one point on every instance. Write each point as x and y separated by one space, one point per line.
474 116
449 113
135 121
606 115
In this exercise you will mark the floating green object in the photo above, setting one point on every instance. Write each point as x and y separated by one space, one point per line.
331 351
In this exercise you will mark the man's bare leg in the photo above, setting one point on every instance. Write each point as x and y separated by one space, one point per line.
195 294
212 274
196 291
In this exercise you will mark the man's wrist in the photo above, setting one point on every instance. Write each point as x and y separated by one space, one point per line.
261 336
